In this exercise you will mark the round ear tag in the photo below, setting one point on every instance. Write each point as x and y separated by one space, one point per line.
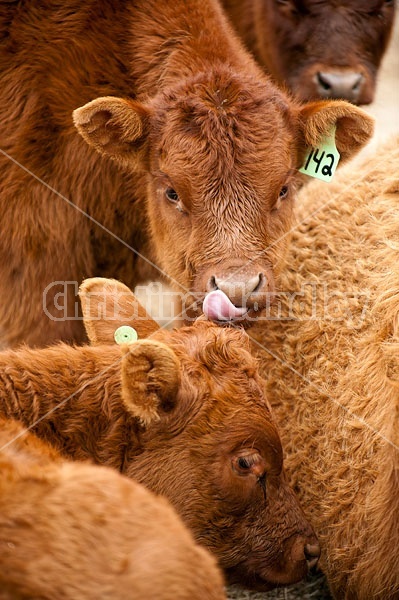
125 335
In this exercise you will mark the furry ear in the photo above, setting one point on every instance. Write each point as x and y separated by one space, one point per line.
114 127
106 305
354 127
150 379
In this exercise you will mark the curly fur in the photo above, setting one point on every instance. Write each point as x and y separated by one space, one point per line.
175 413
334 382
82 532
192 112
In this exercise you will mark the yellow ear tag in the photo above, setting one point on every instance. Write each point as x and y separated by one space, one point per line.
125 335
322 161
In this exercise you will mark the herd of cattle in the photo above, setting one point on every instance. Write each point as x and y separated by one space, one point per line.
150 468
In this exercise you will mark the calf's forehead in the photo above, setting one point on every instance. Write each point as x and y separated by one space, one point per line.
236 140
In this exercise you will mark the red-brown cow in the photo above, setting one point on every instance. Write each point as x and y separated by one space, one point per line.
319 48
206 151
83 532
184 414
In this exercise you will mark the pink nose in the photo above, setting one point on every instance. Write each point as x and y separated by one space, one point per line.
230 298
346 85
236 287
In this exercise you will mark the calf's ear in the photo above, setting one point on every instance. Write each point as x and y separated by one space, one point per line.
354 127
150 379
108 304
114 127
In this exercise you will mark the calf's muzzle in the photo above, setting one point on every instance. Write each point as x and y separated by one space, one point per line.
345 85
242 289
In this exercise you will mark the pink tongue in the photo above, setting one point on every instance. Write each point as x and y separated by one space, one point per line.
218 307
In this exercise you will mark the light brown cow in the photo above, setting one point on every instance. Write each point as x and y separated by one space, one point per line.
206 154
82 532
332 368
320 49
182 413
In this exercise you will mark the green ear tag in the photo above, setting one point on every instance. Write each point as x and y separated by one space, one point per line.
322 161
125 335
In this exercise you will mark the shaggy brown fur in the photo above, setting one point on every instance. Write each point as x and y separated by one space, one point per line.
79 532
183 413
334 379
206 151
325 49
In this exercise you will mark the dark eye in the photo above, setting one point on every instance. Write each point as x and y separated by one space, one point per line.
379 11
249 463
171 195
244 463
283 192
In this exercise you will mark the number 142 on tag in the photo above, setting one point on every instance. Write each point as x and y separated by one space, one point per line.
321 162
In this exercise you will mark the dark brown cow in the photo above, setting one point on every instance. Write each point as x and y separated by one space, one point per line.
184 414
318 48
82 532
206 151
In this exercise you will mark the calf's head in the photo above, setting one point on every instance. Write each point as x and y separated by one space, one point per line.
208 442
220 156
324 49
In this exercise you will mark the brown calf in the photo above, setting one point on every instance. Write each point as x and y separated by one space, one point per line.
320 49
82 532
206 154
182 413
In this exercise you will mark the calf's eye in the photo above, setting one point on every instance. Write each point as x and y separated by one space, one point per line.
283 192
171 195
249 462
243 463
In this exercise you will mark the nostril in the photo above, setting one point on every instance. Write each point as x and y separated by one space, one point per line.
252 284
322 80
211 286
261 282
312 554
357 83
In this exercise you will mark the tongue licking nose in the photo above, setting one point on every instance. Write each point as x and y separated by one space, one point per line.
218 307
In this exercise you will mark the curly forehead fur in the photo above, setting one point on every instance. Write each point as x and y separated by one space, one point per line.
221 109
213 348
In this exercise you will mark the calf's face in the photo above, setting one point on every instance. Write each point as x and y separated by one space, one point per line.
217 456
324 49
208 441
220 156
